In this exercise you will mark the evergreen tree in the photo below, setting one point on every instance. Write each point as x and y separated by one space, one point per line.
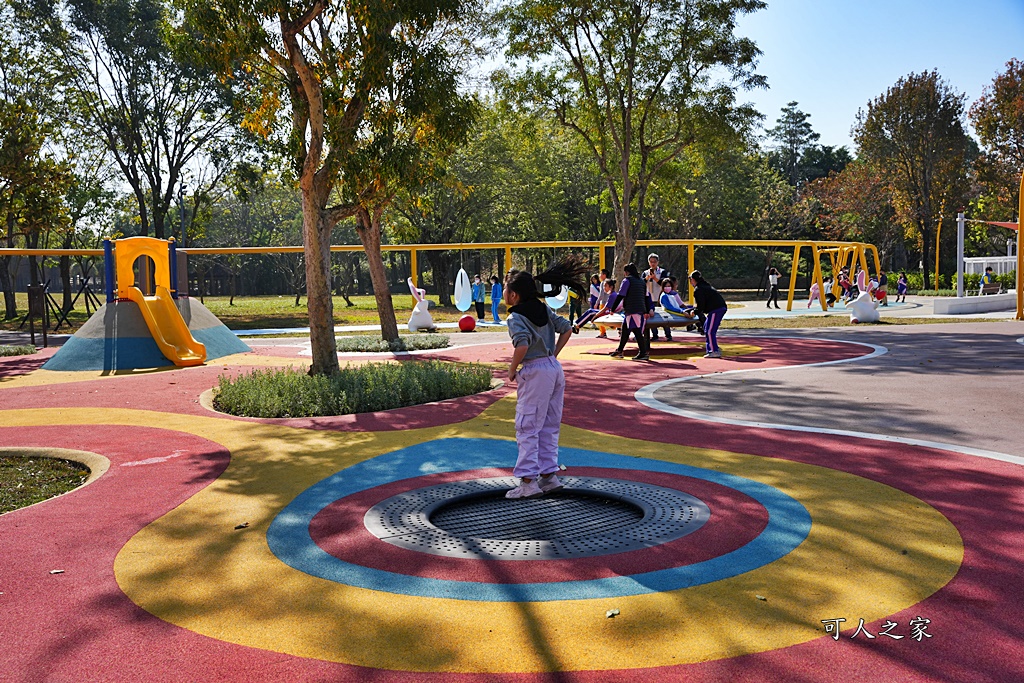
794 137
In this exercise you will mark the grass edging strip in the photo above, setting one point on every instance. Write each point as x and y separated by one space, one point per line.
23 350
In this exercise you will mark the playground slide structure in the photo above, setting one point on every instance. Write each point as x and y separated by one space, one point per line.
169 329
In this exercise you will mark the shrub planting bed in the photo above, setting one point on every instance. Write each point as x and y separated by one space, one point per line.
356 389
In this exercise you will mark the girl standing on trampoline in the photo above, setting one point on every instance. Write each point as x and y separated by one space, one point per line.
541 383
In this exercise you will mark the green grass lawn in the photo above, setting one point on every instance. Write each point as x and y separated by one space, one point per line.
256 312
259 312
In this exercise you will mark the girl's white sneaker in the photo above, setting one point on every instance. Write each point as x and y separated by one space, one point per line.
526 489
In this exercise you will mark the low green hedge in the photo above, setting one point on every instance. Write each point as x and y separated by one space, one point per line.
16 350
356 389
972 283
412 342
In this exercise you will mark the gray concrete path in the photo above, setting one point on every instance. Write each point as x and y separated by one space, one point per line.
958 383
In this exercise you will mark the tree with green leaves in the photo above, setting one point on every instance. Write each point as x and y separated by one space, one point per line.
821 161
33 179
352 93
914 134
998 118
637 81
794 137
137 87
856 205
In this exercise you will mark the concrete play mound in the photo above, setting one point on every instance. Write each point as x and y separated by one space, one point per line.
116 337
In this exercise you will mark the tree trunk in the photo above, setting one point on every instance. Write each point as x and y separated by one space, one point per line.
353 276
368 229
7 285
899 254
65 274
926 252
316 238
32 242
440 264
624 240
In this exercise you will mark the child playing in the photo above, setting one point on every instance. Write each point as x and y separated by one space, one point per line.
495 297
711 304
595 290
596 309
541 382
830 298
603 277
902 285
670 298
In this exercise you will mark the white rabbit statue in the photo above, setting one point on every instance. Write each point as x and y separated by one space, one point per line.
864 308
420 318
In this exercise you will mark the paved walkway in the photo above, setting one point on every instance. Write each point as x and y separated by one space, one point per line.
214 548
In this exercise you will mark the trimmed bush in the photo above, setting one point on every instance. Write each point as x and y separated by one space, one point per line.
16 350
414 342
356 389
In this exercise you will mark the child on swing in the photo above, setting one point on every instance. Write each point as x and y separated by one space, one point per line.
597 309
532 325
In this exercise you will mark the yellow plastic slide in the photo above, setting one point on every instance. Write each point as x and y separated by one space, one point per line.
169 330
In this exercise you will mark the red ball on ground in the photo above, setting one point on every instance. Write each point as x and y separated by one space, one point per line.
467 323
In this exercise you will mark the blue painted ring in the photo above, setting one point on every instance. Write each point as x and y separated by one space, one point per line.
789 522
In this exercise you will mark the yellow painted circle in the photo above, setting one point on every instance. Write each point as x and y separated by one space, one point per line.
193 569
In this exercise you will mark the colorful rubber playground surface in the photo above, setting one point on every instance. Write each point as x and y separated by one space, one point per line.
854 511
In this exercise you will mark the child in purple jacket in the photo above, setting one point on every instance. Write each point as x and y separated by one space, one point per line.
540 390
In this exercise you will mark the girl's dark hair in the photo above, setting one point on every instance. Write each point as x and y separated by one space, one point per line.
666 281
631 269
611 283
697 276
570 271
595 277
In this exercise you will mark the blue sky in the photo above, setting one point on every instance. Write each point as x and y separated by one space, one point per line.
833 56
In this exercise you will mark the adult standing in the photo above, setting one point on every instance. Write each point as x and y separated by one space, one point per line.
653 277
773 287
711 305
479 296
637 307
